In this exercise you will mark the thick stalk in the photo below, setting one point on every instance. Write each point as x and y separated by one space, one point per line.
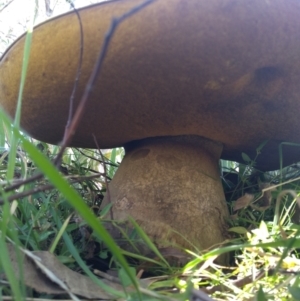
171 186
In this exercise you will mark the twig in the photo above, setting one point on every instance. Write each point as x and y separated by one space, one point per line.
105 178
6 5
71 129
100 161
74 121
107 276
49 11
73 124
23 182
78 73
46 187
17 184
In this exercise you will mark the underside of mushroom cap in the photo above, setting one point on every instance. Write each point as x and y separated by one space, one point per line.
224 70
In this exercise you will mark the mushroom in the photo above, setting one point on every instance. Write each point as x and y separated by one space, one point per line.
183 84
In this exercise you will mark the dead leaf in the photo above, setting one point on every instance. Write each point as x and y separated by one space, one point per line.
45 272
78 284
32 276
243 201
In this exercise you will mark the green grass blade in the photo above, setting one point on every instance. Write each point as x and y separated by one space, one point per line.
81 263
149 243
59 234
16 124
53 175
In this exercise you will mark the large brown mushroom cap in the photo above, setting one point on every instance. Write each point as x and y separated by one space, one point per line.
224 70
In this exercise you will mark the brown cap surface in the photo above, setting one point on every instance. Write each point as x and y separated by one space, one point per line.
226 70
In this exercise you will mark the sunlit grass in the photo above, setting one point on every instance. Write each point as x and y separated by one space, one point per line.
264 258
263 243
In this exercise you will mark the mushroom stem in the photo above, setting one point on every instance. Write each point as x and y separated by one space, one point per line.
171 186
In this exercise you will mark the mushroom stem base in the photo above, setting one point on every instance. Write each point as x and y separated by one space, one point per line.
171 186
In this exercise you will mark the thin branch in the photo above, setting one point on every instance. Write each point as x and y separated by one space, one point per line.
79 67
24 182
78 73
49 11
38 176
47 187
27 193
107 276
72 126
100 161
6 5
105 178
71 129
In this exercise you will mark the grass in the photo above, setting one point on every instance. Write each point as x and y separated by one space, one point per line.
263 244
58 211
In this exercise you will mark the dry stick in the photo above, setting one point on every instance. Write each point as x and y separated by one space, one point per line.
100 161
78 73
26 193
107 276
6 5
20 183
23 182
72 126
37 176
46 187
49 11
71 103
105 178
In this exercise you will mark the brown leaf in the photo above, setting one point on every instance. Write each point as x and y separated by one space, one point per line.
46 272
32 276
243 201
77 283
